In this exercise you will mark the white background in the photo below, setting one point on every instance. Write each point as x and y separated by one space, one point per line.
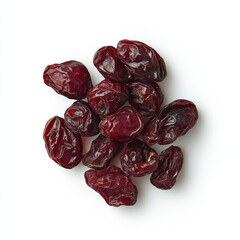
199 41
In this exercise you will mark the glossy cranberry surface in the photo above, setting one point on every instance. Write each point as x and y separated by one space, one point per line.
107 96
81 119
138 159
113 185
170 164
161 64
146 97
70 79
174 121
141 60
107 62
125 125
103 150
63 146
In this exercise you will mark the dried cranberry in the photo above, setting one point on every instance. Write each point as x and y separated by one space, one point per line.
102 152
174 121
113 185
125 125
107 96
141 60
70 79
81 119
107 62
63 146
138 159
170 164
146 97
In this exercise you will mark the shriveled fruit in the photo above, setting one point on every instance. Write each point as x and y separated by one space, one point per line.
63 146
131 72
174 121
170 164
125 125
102 152
107 62
81 119
70 79
138 159
146 97
113 185
141 60
107 96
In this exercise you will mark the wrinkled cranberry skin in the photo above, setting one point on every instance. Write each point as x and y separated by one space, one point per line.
113 185
81 119
70 79
107 96
125 125
142 61
170 164
162 66
138 159
174 121
107 62
103 150
146 97
63 146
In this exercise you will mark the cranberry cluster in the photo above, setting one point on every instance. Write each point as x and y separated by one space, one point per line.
131 73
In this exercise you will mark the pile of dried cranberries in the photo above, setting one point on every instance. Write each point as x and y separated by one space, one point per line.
126 109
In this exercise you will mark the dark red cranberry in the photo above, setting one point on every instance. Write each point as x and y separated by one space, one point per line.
107 96
141 60
63 146
81 119
70 79
170 164
138 159
125 125
174 121
103 150
146 97
107 62
113 185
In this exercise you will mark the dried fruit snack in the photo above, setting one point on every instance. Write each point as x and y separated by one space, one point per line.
107 97
142 61
81 119
63 146
102 151
107 62
113 185
138 159
124 108
170 164
70 79
125 125
174 120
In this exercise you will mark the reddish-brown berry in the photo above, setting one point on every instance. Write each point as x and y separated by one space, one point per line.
125 125
138 159
170 164
113 185
107 62
103 150
81 119
146 97
141 60
107 97
63 146
70 79
174 121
